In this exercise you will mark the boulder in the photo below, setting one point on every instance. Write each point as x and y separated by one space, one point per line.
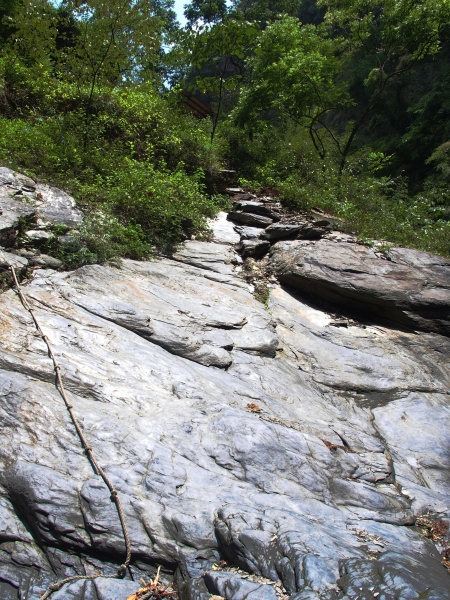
312 231
37 236
258 208
14 208
247 233
410 288
21 199
55 206
243 196
45 262
8 259
254 248
280 230
250 219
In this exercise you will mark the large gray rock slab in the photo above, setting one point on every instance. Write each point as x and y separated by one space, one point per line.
412 288
292 461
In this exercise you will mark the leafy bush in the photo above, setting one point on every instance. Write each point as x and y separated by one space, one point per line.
373 207
137 167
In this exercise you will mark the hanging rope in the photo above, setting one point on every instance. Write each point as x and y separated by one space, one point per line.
121 571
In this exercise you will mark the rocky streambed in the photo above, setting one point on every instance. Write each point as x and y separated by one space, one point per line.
295 448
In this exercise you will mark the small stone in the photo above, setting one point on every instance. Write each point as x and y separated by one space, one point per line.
37 236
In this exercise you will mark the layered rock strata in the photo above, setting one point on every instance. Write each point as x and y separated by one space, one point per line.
260 452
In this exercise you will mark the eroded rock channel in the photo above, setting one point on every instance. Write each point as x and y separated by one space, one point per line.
295 450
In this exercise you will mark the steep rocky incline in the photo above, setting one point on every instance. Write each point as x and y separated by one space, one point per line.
295 450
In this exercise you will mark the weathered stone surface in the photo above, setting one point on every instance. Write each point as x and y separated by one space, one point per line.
223 230
55 206
247 233
8 259
243 196
22 198
412 288
254 248
270 439
37 236
233 587
45 261
15 204
280 230
213 257
258 208
250 219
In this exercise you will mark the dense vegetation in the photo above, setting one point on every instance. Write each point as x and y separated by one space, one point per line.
341 105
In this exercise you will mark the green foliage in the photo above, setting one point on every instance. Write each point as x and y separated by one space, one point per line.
206 11
131 157
373 207
294 73
338 104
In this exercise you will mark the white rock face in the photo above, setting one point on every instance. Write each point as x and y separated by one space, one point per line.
37 204
164 362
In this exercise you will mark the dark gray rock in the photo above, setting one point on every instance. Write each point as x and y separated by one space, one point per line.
254 248
311 231
233 587
280 230
247 233
243 197
412 288
258 208
250 219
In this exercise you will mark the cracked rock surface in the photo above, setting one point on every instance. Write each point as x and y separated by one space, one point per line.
260 452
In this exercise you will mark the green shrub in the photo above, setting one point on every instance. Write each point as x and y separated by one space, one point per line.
136 165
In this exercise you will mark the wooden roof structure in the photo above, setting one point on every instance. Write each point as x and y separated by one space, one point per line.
198 108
